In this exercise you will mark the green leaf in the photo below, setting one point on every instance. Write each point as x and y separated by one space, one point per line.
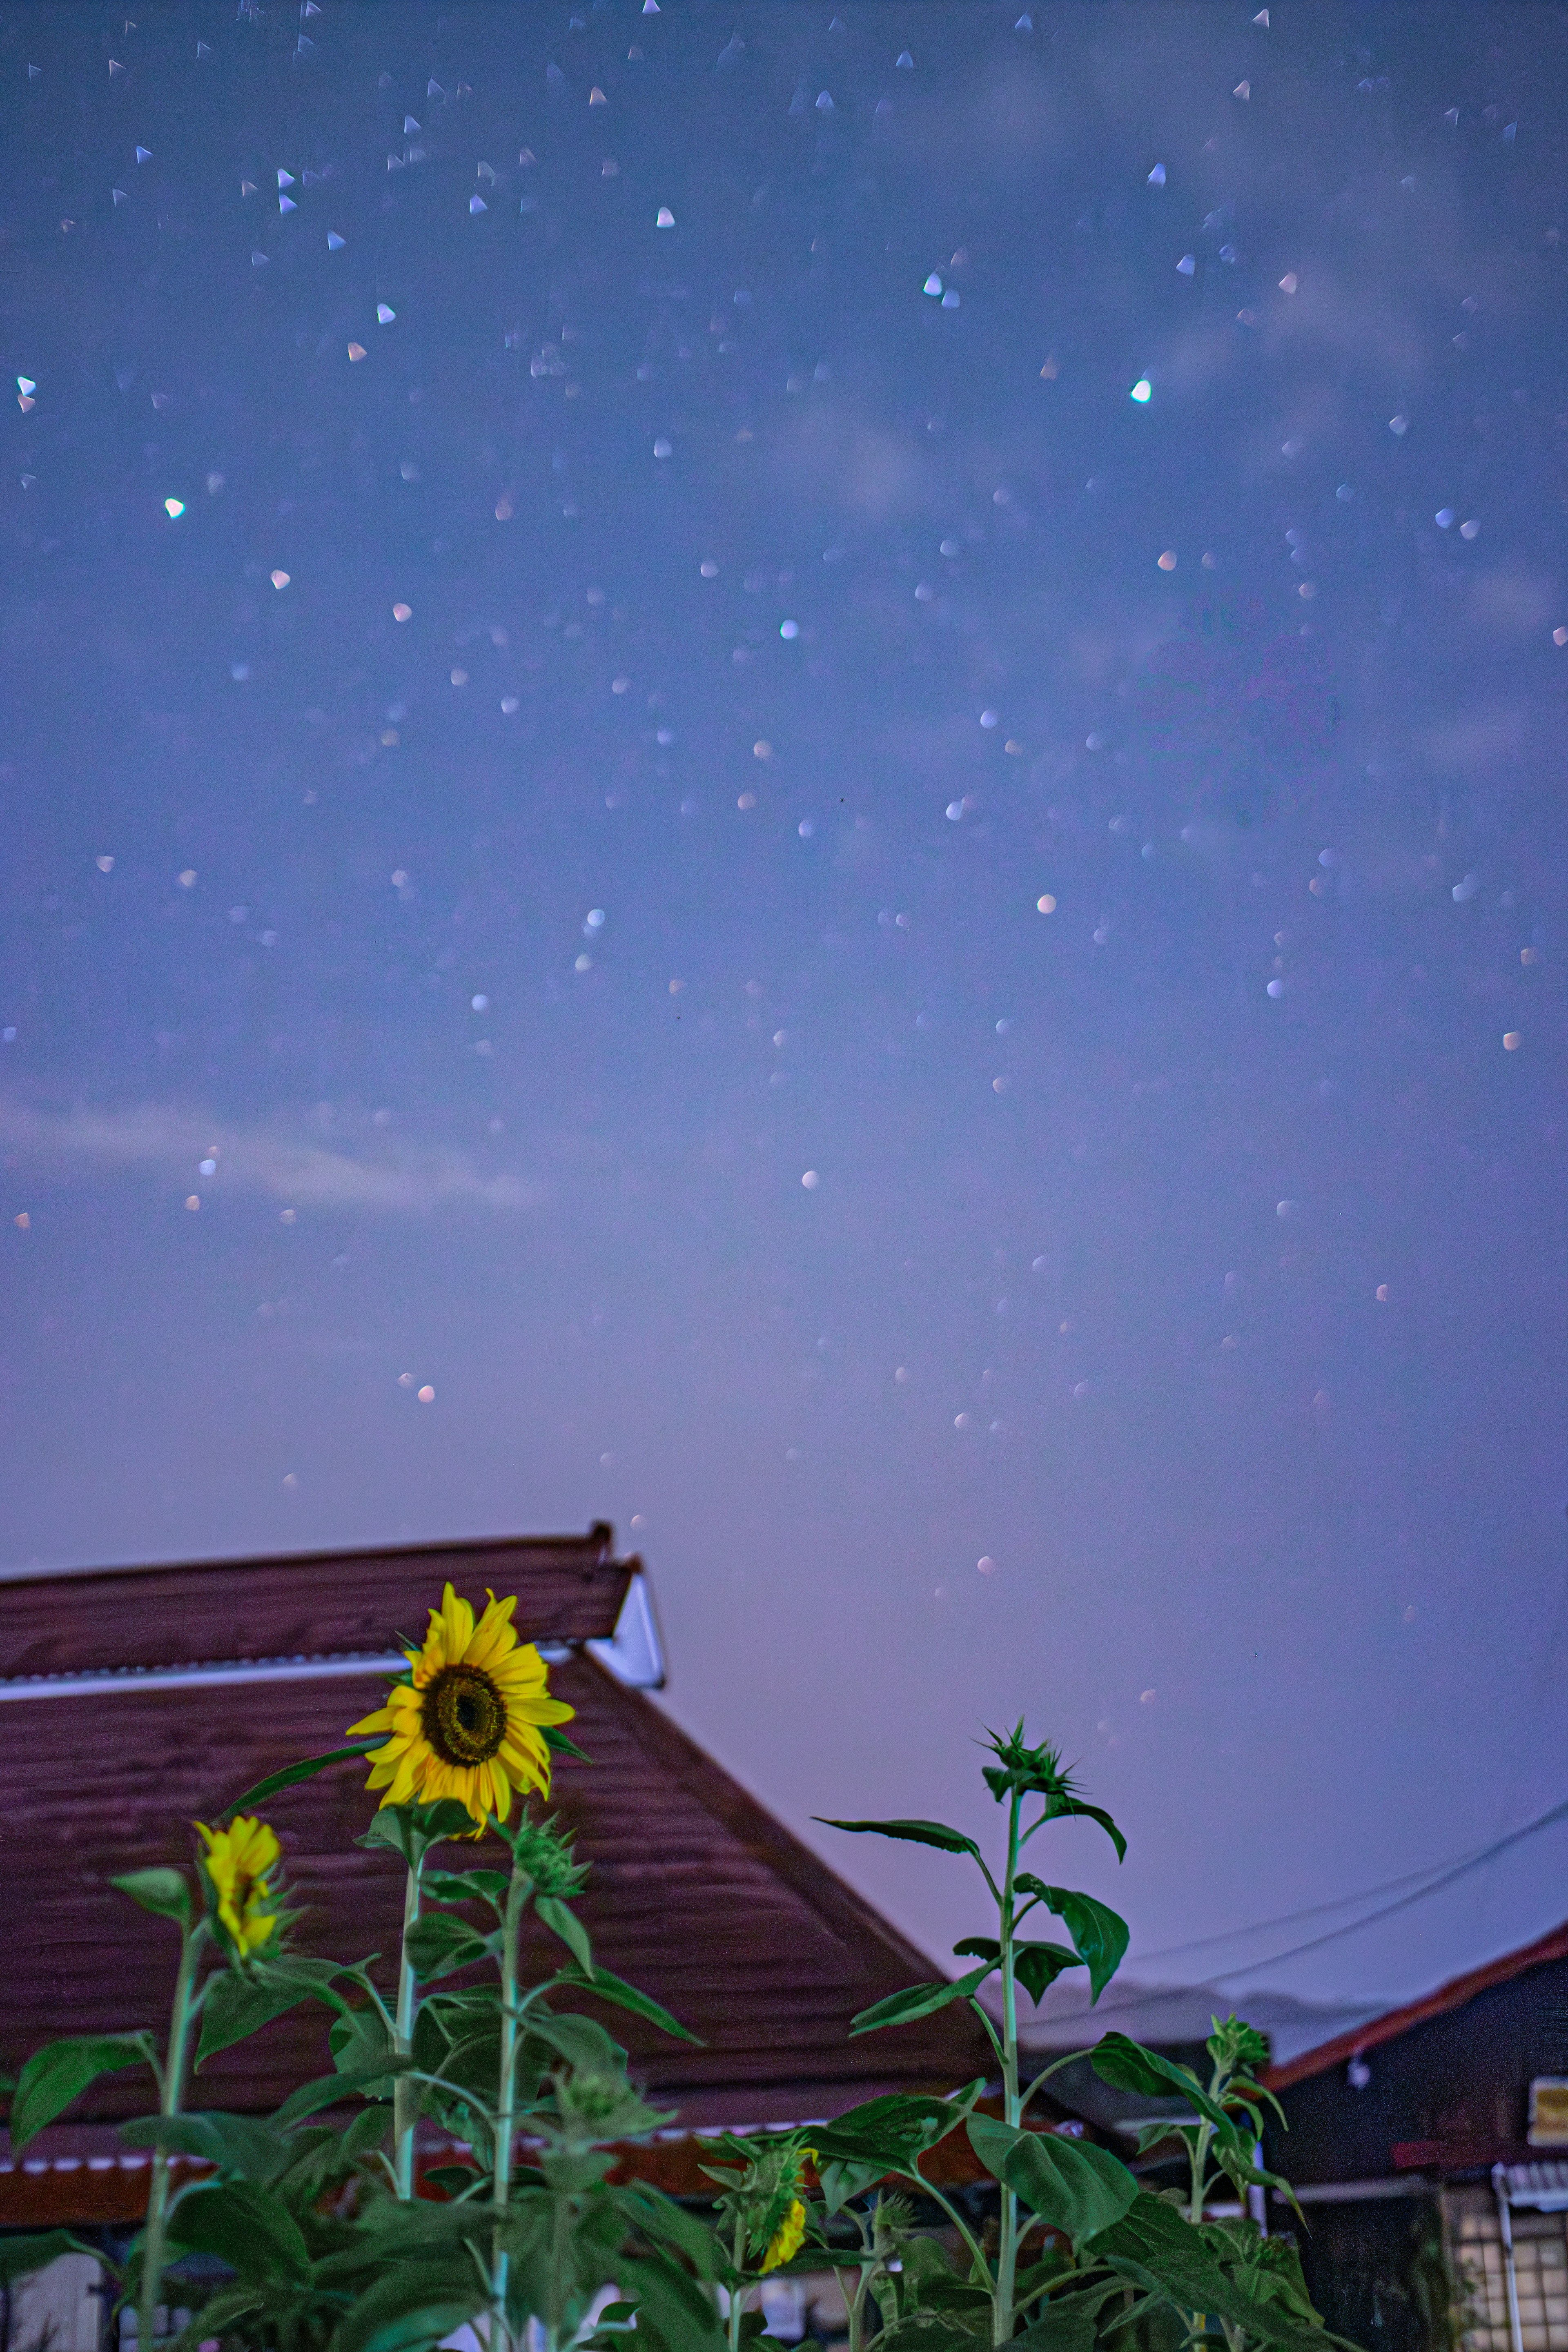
165 1892
1072 2185
467 1886
612 1988
919 2000
1100 1934
928 2331
240 2004
556 1740
60 2071
255 2234
291 1773
412 1830
1127 2065
581 2040
1153 2247
894 2130
437 1944
241 2146
1037 1966
677 2303
328 2090
1066 2325
660 2218
564 1922
978 1948
19 2256
1058 1807
412 2304
935 1834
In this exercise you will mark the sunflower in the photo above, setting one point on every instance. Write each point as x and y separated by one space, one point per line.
239 1862
786 2242
467 1724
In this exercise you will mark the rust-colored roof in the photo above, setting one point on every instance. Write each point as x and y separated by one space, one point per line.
697 1893
1553 1946
301 1603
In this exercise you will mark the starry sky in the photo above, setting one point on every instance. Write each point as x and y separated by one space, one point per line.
797 777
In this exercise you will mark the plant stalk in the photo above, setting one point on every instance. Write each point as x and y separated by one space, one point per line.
404 2091
506 2104
1011 2113
181 2017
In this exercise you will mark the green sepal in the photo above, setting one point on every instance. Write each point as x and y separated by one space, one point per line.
61 2070
1072 2185
163 1892
412 1830
916 1833
556 1740
919 2000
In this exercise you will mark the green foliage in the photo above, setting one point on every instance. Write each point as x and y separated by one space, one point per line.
311 2214
244 2226
607 1986
292 1774
1153 2248
1072 2185
1099 1935
242 2000
935 1834
165 1892
20 2256
412 1830
920 2000
61 2070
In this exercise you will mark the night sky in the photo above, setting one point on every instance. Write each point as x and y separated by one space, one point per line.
799 779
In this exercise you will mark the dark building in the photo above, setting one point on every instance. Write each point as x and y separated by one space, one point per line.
1429 2150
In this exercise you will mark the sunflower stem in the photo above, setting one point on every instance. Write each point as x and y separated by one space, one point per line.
518 1892
181 2017
405 2093
1012 2111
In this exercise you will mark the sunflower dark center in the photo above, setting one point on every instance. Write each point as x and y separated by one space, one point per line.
463 1715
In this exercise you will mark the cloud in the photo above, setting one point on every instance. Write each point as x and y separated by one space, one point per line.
394 1178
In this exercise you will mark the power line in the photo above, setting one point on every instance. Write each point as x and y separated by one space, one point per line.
1312 1911
1353 1927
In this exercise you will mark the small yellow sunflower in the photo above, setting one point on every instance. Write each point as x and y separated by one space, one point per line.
784 2244
239 1862
468 1724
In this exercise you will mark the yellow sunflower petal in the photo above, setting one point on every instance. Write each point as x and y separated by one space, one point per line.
379 1721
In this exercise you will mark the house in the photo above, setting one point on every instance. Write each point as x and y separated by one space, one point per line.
134 1701
1430 2150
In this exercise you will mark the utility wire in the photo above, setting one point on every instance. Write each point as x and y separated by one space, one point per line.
1312 1911
1354 1927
